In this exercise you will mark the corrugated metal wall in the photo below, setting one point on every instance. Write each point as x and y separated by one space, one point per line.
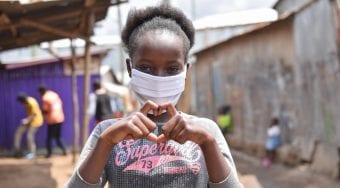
27 80
289 69
317 72
247 72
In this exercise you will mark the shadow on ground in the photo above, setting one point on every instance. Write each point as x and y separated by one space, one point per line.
37 173
254 175
29 175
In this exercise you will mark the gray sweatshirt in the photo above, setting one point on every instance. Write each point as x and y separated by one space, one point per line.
142 163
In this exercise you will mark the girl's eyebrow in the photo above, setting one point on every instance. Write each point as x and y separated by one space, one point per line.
145 60
174 62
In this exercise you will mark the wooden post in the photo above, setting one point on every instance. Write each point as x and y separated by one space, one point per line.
89 21
87 77
75 102
120 47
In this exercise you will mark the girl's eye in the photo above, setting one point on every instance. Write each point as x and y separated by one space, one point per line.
145 69
173 70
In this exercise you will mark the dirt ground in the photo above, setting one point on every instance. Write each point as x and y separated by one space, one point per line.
254 175
37 173
55 171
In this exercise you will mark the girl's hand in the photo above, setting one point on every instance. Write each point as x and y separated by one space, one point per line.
135 126
182 129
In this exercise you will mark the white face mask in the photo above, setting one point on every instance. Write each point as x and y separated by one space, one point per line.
158 89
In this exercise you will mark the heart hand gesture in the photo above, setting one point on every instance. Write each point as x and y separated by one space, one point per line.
182 129
138 125
135 126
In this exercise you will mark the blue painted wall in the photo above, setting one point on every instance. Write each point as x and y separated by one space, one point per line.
27 80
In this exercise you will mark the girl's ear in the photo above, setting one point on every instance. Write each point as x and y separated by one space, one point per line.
128 66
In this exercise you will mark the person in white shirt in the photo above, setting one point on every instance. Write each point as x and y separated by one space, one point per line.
273 141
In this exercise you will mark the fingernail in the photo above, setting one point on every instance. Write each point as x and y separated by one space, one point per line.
161 138
152 137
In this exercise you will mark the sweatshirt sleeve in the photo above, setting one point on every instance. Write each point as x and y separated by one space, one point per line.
232 180
76 181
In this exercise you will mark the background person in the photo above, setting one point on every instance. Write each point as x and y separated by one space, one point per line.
29 124
224 119
103 109
52 107
273 141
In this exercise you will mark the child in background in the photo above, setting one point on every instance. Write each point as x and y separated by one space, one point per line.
273 141
224 120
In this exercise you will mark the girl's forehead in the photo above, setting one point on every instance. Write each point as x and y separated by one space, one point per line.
160 39
161 43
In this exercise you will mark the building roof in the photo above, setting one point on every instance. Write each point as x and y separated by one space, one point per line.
288 7
27 24
237 18
29 63
253 29
260 26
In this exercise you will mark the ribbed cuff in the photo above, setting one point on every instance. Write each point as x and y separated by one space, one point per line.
77 181
230 181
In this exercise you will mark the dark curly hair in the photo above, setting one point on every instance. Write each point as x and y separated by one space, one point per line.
163 17
22 97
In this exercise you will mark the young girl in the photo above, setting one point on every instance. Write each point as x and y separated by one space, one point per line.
157 146
273 141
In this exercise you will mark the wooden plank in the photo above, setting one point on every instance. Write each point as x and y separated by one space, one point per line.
49 29
89 3
69 14
4 20
21 42
60 20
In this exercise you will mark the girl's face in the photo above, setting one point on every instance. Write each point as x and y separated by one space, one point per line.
159 53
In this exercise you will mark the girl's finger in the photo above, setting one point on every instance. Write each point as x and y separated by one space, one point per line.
170 125
134 131
169 107
140 124
161 138
180 125
152 137
181 137
146 121
148 106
